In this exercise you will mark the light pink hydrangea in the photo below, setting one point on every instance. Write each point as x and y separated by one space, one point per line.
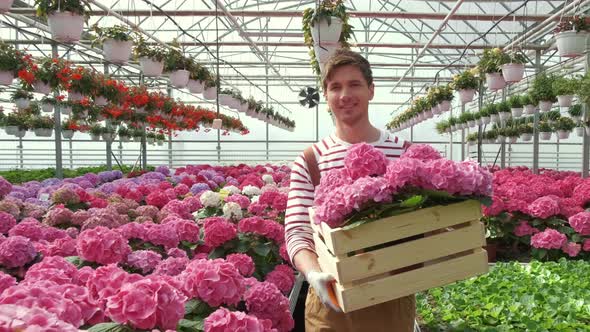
581 223
548 239
328 182
103 246
243 263
58 216
571 248
6 281
223 320
242 200
147 304
171 266
22 318
523 229
421 152
186 230
107 280
164 235
16 251
217 232
55 269
544 207
364 160
216 282
283 277
144 260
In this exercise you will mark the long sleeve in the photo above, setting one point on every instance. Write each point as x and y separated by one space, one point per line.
298 231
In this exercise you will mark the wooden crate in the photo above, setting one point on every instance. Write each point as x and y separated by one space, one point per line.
416 251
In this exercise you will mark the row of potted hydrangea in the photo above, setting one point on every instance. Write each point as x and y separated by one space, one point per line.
437 101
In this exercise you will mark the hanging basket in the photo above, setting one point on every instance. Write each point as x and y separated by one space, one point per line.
435 110
545 105
75 96
95 137
43 132
124 138
150 67
117 51
525 137
20 133
494 118
495 81
323 51
101 101
47 107
66 110
195 86
179 78
530 109
11 130
5 5
210 93
571 43
580 131
444 106
516 112
466 95
486 120
563 134
216 124
67 134
22 103
513 72
6 77
545 136
65 26
512 140
243 107
321 32
565 101
225 99
504 115
41 87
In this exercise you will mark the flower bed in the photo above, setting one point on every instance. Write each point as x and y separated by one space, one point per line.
537 297
200 249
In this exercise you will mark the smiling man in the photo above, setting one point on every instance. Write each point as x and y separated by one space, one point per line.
348 87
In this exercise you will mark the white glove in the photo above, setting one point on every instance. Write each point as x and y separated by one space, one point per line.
320 281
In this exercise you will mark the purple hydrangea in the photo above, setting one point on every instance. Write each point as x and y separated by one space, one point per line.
5 187
208 174
199 187
163 169
50 182
92 178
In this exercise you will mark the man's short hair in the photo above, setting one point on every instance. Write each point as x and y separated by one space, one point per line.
344 57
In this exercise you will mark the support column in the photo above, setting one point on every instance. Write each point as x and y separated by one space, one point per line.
586 139
503 143
450 157
109 126
59 172
143 144
538 69
463 145
170 136
266 71
479 126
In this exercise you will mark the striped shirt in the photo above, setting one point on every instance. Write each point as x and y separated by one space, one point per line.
329 153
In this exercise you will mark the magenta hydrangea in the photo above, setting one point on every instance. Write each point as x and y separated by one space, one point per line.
223 320
6 281
548 239
264 300
103 246
218 231
17 251
283 277
106 281
216 282
5 187
572 249
364 160
544 207
243 263
581 223
31 229
523 229
7 221
164 235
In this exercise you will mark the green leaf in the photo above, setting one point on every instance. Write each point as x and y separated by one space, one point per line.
76 260
486 201
413 201
185 325
196 307
218 252
262 249
110 327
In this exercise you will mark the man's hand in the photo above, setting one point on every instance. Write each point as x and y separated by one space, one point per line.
320 281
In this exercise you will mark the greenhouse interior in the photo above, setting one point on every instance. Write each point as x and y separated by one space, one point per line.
294 165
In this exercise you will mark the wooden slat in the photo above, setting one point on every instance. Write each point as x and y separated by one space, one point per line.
389 229
411 282
325 258
409 253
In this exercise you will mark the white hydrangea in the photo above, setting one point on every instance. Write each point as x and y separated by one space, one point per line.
254 199
284 190
210 199
267 178
268 169
232 210
251 190
269 187
232 189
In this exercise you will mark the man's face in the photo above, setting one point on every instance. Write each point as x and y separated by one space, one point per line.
348 94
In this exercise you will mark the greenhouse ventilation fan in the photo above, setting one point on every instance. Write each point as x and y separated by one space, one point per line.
309 97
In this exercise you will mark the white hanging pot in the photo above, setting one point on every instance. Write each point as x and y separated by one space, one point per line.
216 124
11 130
529 109
576 118
117 51
471 143
428 114
516 112
526 137
244 107
67 134
479 122
466 95
587 130
250 112
500 139
444 106
565 100
494 118
486 119
95 137
5 5
101 101
495 81
160 142
235 104
471 123
225 99
41 87
512 72
545 105
137 138
6 77
108 137
321 32
43 132
323 51
453 127
20 133
66 110
571 43
195 86
65 26
504 115
179 78
22 103
435 110
545 136
512 140
210 93
150 67
563 134
75 96
124 138
47 107
580 131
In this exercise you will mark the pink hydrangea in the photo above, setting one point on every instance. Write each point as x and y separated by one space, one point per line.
421 152
106 281
280 202
5 187
242 200
55 269
7 221
217 232
586 245
6 281
148 211
282 277
333 179
21 318
243 263
548 239
544 207
334 209
103 246
571 248
171 266
581 223
177 207
181 189
523 229
193 203
283 252
186 230
66 196
84 274
264 300
147 304
223 320
58 216
16 251
176 252
164 235
144 260
364 160
267 228
157 199
216 282
133 230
